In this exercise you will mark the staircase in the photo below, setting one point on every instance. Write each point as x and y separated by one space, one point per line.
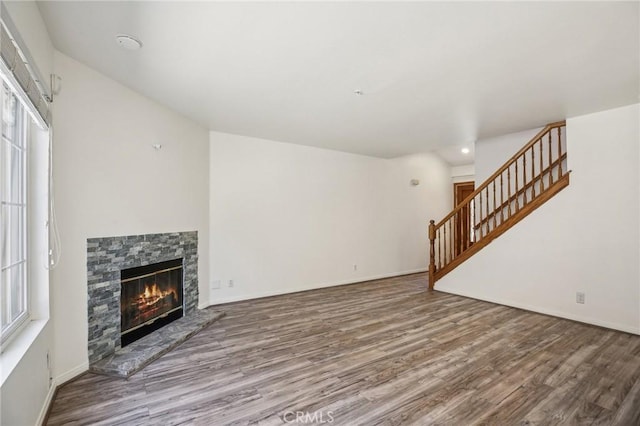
526 181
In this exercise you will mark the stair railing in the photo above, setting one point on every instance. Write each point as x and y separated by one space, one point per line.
533 175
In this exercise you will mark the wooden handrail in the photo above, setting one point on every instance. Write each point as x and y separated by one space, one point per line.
556 187
468 227
502 169
539 177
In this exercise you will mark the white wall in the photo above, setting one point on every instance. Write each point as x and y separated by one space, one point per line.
287 217
491 153
24 368
26 390
466 173
110 181
584 239
25 387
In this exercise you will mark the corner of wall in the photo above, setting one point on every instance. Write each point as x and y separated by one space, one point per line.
571 243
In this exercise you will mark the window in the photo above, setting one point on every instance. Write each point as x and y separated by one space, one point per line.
13 215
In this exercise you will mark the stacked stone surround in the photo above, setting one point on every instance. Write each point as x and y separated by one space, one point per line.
106 257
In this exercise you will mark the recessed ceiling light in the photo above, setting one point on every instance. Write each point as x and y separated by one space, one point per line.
128 42
465 150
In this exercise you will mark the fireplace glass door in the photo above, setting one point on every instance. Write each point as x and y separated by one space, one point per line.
151 296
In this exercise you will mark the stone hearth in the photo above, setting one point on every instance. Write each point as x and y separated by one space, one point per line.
106 257
134 357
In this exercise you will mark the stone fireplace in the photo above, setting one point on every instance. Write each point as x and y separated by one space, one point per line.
128 266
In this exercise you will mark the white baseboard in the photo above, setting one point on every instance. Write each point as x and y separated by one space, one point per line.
542 310
74 372
58 381
47 403
277 292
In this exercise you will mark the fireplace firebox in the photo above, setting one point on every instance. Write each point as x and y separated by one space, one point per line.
151 297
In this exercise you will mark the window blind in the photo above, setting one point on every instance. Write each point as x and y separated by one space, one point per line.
19 74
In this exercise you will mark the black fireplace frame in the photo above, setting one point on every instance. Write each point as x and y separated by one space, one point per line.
153 324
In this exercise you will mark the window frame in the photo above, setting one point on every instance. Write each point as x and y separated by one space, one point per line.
22 131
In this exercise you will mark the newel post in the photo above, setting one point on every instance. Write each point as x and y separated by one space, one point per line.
432 254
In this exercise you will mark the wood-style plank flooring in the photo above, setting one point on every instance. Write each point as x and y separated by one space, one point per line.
382 352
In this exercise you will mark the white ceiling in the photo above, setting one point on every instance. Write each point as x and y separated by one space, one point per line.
453 154
434 76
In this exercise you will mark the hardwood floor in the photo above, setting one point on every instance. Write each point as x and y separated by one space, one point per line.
382 352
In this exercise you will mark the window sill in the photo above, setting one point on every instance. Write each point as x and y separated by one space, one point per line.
18 347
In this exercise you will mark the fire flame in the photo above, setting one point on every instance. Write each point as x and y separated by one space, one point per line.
152 294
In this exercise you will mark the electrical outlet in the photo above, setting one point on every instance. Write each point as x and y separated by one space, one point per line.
230 283
355 267
580 297
215 284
